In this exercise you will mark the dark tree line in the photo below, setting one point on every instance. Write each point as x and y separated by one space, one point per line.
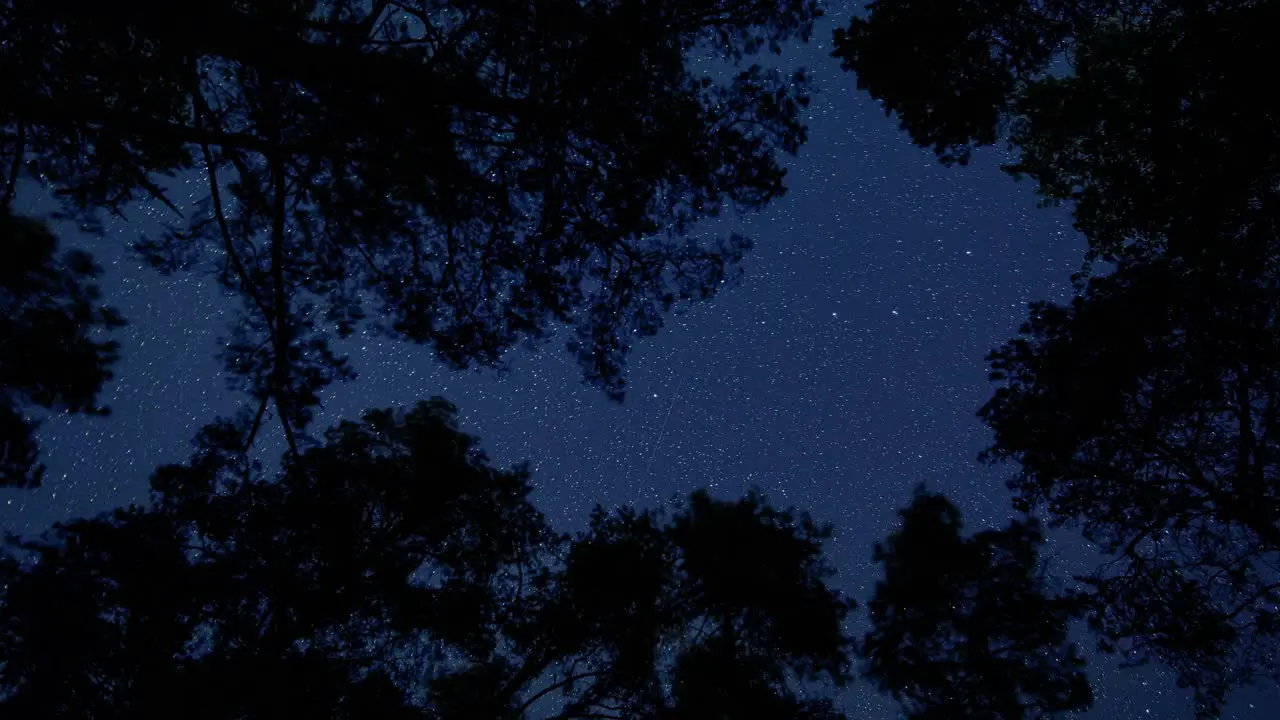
467 175
52 355
1146 411
1155 133
473 176
969 626
393 572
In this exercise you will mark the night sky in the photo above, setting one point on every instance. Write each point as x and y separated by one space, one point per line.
845 369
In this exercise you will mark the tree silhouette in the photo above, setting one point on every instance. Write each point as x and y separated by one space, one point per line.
1141 115
52 355
966 627
1147 412
392 572
1144 411
467 175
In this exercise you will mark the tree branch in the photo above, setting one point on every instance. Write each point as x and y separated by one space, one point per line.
216 196
550 689
19 151
280 366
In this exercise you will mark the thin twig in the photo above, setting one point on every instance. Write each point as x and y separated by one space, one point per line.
216 195
281 369
257 423
11 182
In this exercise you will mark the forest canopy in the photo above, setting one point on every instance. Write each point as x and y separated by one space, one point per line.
1144 411
466 175
481 176
1141 116
394 572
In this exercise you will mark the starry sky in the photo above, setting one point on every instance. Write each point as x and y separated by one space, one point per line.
846 367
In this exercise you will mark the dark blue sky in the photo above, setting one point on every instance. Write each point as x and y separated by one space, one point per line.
846 368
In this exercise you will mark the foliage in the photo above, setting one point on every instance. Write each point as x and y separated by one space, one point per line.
967 627
467 175
1144 116
1148 412
1145 410
52 354
951 70
392 572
